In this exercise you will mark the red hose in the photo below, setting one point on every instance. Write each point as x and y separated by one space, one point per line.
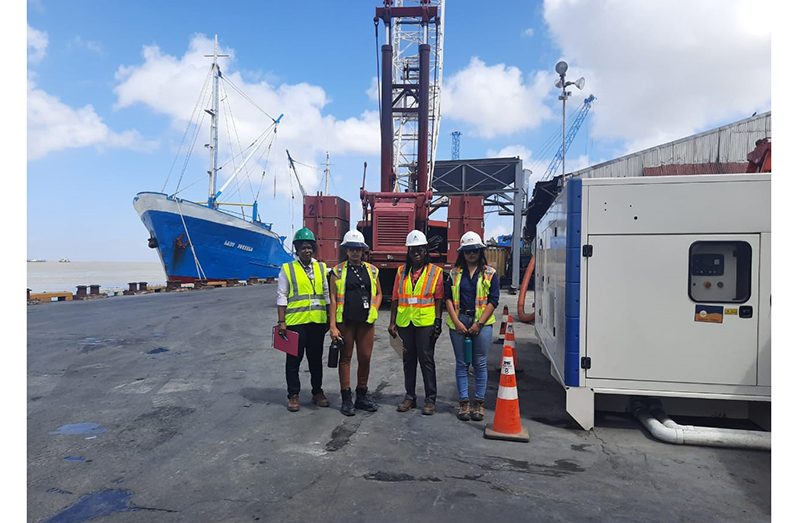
523 316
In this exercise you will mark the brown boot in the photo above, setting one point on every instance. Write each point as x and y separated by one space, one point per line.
293 402
464 413
478 410
406 405
321 400
429 409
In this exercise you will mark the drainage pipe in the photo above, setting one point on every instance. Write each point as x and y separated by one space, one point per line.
667 430
522 315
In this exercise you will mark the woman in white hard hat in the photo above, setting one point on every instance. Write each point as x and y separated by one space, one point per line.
356 299
416 318
472 294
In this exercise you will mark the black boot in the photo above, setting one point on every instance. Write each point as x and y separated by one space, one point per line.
363 400
347 409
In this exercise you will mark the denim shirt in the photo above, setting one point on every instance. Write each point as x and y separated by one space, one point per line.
468 290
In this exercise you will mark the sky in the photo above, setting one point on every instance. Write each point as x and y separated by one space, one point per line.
111 86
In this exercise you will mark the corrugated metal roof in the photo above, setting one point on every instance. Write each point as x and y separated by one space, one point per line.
729 144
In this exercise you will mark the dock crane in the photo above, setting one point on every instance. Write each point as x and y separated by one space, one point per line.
410 79
555 163
569 137
410 75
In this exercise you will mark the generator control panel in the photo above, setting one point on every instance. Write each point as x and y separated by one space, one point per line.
720 271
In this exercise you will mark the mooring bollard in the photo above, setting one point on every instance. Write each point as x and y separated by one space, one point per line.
252 280
172 285
132 286
142 285
28 294
81 294
94 289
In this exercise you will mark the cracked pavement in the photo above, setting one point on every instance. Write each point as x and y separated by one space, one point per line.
198 431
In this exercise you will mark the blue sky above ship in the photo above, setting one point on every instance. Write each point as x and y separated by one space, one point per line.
111 84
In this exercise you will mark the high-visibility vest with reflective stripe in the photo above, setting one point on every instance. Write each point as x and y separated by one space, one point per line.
340 288
306 303
483 290
417 302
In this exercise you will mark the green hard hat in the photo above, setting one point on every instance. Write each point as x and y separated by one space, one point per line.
304 235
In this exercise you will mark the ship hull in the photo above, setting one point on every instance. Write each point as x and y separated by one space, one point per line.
197 242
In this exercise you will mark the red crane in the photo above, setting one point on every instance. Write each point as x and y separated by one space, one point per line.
409 111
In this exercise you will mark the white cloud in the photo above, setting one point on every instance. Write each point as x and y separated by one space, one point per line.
37 45
511 151
373 92
497 229
660 75
528 33
55 126
91 45
496 99
166 84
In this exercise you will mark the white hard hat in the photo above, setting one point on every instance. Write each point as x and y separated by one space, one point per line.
416 238
354 239
470 241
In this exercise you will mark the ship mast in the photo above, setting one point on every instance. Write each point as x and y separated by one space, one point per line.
327 175
214 112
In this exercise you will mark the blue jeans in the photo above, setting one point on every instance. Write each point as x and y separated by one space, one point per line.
480 345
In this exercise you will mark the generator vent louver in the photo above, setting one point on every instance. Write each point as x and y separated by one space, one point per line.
392 229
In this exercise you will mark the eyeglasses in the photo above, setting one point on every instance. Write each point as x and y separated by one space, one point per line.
414 250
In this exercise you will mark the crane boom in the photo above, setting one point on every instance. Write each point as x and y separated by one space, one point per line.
569 137
293 168
407 29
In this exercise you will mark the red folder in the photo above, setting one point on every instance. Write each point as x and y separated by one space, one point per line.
288 344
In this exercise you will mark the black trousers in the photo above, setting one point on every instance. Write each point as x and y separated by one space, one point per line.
419 351
311 343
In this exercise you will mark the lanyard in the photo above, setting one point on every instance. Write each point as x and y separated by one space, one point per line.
363 291
356 272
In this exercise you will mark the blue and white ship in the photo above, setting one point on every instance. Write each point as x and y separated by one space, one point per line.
202 241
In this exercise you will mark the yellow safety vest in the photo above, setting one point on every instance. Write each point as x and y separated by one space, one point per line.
306 302
340 288
483 290
417 302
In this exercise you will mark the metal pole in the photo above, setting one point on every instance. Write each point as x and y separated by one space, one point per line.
518 212
564 97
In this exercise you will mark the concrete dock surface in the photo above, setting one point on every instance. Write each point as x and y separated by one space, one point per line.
172 407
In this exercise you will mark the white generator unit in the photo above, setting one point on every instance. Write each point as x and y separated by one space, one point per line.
656 286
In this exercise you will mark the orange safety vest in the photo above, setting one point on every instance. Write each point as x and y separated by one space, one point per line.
417 302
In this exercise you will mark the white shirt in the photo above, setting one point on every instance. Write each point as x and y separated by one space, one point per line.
282 283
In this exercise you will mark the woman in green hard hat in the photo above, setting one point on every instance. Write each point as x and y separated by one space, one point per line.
303 298
355 301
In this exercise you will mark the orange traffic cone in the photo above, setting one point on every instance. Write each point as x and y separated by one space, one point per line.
507 420
503 327
509 339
